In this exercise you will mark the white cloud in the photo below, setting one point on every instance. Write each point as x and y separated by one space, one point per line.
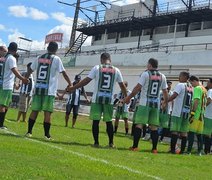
18 11
2 27
27 12
15 36
37 15
61 17
125 2
2 43
66 30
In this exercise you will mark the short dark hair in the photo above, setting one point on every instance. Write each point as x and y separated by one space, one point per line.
13 47
52 47
105 56
77 77
153 62
29 64
16 55
210 80
194 78
185 74
168 82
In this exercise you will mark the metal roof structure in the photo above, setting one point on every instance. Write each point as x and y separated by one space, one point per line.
190 13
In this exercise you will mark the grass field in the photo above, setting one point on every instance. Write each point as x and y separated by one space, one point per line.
70 155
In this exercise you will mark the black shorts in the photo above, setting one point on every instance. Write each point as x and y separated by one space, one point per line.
75 108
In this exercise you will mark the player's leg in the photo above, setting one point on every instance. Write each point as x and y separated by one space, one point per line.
107 117
126 125
154 124
48 105
68 111
75 114
95 115
116 123
5 99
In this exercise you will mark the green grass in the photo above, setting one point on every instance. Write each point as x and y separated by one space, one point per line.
70 155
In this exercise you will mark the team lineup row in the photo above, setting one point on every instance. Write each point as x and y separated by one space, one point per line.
191 110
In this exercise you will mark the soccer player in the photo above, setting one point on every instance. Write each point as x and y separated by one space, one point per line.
105 76
25 95
197 112
179 125
150 83
122 110
3 51
165 115
8 71
74 102
48 66
207 130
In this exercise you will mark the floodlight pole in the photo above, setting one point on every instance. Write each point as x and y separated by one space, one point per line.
74 26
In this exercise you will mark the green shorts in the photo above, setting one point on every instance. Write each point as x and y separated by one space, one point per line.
98 109
5 97
164 120
121 115
207 130
147 115
42 103
179 124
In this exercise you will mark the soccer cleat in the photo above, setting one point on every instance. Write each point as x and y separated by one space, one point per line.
48 138
28 135
154 151
95 145
3 127
133 149
111 145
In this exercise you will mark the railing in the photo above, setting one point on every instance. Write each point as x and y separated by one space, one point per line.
163 8
167 48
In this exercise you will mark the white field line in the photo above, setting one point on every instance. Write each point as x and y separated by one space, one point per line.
87 157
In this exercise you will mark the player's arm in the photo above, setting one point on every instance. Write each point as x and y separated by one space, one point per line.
136 89
84 82
19 76
123 88
165 97
208 101
65 76
172 97
195 105
85 95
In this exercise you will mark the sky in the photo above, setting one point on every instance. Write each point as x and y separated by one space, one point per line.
34 19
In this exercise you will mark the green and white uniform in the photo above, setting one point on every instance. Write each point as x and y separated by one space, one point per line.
152 81
6 79
165 115
181 107
48 67
122 109
102 100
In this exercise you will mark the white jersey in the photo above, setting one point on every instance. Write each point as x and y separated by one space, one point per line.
105 78
208 110
6 75
184 96
48 68
151 82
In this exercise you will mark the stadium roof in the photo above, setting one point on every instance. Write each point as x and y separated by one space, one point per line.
134 23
